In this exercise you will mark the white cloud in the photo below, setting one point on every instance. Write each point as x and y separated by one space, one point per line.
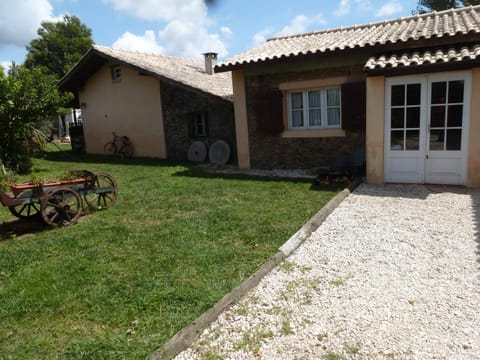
226 32
389 9
364 5
164 10
301 23
20 20
144 43
343 8
190 40
261 36
185 29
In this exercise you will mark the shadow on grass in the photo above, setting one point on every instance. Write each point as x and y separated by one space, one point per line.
18 227
199 172
71 157
192 170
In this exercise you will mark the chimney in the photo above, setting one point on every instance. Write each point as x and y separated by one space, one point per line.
210 61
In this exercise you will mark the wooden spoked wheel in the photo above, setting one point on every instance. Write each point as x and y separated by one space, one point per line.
103 193
25 211
61 207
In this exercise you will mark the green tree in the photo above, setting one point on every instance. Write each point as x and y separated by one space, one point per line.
28 98
470 2
425 6
60 45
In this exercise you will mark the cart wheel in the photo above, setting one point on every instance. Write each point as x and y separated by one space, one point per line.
62 207
103 194
25 211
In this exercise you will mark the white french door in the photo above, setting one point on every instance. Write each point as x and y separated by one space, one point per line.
426 128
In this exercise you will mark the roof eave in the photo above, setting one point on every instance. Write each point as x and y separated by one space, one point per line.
407 45
422 69
69 82
74 80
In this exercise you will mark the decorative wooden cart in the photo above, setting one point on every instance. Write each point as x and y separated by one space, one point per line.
59 203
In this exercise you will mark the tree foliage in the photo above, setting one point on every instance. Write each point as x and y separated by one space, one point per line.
28 98
424 6
60 45
470 2
435 5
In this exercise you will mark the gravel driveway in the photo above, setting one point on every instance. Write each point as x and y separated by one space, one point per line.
393 273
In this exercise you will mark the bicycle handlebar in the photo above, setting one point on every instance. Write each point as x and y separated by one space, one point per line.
115 137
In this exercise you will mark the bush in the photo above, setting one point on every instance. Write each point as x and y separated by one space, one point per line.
28 99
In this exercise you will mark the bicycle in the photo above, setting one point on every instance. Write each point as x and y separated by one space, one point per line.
120 145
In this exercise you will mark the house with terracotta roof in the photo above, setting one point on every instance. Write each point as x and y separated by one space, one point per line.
163 104
406 90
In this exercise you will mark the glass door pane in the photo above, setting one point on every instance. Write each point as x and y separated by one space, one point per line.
446 115
405 117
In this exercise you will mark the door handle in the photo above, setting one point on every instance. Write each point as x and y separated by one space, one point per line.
426 156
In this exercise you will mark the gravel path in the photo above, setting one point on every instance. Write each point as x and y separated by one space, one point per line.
393 273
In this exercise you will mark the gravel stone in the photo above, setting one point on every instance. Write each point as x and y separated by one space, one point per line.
392 273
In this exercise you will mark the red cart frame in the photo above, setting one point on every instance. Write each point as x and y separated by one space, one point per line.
59 203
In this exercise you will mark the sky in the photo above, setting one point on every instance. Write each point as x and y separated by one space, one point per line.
187 28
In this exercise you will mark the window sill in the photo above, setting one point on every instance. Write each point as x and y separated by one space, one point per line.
313 133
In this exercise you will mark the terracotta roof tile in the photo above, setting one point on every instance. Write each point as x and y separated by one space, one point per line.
423 58
188 72
461 21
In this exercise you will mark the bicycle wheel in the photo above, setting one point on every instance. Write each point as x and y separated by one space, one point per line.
127 150
110 148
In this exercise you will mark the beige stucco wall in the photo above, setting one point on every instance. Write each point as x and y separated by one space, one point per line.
473 172
131 107
241 123
375 129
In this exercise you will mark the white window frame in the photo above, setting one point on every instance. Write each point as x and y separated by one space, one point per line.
323 105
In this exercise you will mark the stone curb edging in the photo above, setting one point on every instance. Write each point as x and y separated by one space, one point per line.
185 337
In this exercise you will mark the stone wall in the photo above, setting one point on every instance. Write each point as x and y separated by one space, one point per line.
177 103
271 150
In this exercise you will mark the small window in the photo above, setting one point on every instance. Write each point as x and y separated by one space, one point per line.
116 73
198 124
314 109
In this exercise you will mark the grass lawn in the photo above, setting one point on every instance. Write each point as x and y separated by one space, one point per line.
122 281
